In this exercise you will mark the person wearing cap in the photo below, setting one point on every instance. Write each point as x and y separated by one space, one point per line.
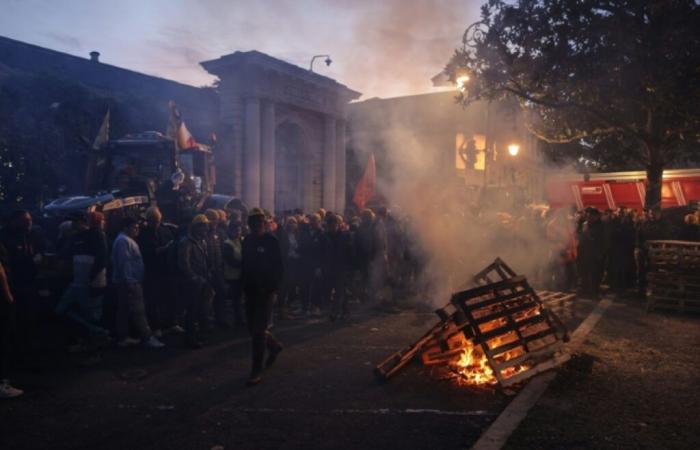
232 255
314 246
336 266
215 242
127 276
154 241
193 264
261 275
288 238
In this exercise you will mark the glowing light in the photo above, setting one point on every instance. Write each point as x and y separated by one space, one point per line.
513 149
462 81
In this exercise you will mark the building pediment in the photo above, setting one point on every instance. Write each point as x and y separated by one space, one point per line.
255 74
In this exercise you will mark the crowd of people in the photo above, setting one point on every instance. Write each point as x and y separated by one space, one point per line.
219 270
234 271
590 247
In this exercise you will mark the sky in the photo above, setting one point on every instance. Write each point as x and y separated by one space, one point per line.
382 48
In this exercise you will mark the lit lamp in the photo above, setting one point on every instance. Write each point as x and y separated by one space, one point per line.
513 149
462 81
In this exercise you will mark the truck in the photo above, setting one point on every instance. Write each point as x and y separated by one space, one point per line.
138 170
611 190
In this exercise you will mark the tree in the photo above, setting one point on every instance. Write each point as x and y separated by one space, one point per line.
620 79
47 125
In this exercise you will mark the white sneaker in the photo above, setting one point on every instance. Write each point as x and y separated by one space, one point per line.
128 342
7 391
153 342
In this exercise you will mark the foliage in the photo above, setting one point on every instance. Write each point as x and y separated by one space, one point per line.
612 82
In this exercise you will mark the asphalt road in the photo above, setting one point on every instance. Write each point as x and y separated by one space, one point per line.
320 394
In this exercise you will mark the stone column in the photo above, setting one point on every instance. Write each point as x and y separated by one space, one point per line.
267 160
340 167
251 157
329 168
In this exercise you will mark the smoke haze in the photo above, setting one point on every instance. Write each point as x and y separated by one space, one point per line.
387 48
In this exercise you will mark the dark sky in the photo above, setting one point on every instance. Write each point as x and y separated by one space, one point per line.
382 48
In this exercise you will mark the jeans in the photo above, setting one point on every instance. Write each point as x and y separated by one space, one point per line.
81 306
131 311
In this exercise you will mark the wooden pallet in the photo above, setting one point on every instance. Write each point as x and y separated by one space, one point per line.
681 256
673 291
443 343
498 270
514 329
451 323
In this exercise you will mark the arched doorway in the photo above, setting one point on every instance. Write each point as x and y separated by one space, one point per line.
288 167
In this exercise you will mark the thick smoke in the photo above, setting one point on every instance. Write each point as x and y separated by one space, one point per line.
457 236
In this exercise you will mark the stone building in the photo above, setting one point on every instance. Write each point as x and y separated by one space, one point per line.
282 133
438 125
281 128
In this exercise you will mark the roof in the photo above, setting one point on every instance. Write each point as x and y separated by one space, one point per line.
33 58
256 58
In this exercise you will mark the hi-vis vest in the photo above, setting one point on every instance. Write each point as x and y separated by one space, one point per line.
233 273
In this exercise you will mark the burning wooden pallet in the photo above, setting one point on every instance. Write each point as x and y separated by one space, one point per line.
497 332
674 276
513 328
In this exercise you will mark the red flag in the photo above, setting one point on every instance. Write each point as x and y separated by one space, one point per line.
365 187
185 139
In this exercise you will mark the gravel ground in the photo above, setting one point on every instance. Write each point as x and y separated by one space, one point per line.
634 386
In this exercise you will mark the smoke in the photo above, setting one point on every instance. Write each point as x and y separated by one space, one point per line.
399 45
457 236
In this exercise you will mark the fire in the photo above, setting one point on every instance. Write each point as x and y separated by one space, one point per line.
473 365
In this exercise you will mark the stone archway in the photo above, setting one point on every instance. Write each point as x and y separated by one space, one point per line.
256 91
289 171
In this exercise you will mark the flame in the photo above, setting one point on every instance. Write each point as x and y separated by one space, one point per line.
473 365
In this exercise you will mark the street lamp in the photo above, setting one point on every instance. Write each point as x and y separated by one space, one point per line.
462 82
328 61
513 149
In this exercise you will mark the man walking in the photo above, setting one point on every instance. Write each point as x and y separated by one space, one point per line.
261 275
127 276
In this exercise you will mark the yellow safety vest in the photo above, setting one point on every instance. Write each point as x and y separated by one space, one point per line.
233 273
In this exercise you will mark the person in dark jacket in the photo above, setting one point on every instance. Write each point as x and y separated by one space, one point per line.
81 303
24 245
193 267
289 239
336 266
593 247
261 276
215 243
313 250
154 241
7 330
232 254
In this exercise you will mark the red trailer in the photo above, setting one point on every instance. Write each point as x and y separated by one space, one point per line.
615 189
